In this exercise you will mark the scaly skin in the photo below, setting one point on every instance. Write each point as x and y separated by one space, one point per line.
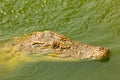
58 45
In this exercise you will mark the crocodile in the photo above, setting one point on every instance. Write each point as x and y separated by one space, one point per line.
57 45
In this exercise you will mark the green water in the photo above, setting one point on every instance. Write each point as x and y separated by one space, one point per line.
95 22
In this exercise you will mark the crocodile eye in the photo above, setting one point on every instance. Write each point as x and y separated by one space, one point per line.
100 48
55 45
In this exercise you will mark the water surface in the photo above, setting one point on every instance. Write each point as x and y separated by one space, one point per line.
95 22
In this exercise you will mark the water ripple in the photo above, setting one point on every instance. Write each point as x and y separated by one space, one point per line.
106 71
115 35
33 70
118 33
27 70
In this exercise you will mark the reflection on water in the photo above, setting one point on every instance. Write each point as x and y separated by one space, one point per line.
69 70
89 21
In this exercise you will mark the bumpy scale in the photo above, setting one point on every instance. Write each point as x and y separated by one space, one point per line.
58 45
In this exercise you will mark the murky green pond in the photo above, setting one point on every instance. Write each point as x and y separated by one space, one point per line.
95 22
